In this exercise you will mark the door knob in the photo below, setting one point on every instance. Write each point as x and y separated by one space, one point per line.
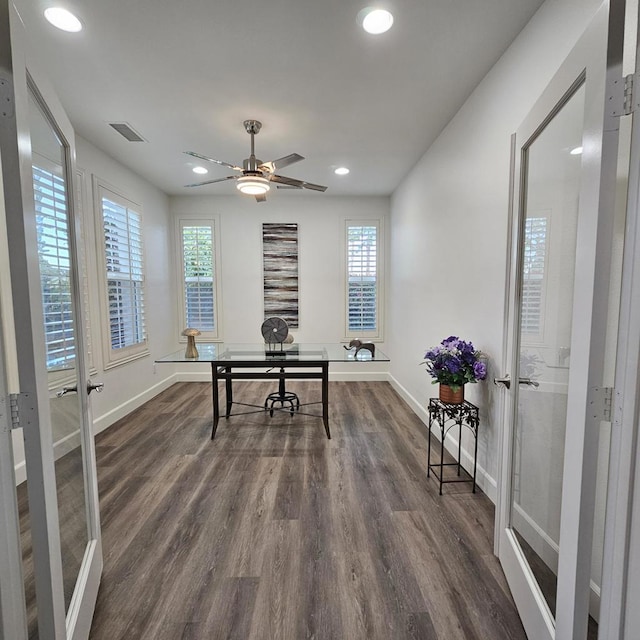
505 382
97 387
65 390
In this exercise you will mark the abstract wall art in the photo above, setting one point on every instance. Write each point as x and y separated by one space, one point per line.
280 260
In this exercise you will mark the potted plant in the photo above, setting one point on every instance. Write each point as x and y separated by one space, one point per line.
452 364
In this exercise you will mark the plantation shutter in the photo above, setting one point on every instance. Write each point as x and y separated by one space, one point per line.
362 278
199 284
125 274
55 267
535 258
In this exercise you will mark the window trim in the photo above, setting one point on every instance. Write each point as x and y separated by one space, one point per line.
203 220
115 357
378 334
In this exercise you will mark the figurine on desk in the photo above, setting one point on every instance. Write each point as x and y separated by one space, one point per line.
359 345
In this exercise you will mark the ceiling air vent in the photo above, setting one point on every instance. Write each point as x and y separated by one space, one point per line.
127 131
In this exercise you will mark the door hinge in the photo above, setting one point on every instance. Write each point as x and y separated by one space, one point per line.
628 105
22 410
621 96
601 403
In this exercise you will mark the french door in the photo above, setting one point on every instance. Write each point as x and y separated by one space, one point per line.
58 501
559 313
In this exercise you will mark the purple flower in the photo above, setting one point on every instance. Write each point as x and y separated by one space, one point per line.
454 362
480 370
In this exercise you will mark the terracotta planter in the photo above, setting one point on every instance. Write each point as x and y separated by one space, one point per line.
448 395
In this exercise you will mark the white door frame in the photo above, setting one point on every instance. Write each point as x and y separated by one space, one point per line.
589 57
620 615
21 76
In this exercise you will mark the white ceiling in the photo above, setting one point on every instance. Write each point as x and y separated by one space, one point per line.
186 73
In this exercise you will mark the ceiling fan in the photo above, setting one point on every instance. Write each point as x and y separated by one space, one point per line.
255 176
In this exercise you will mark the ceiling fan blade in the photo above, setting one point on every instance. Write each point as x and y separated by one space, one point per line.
200 184
201 157
315 187
287 186
296 184
285 161
292 182
261 198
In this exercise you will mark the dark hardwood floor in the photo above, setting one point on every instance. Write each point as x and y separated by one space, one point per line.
271 531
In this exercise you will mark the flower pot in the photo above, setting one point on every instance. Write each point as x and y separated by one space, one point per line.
448 395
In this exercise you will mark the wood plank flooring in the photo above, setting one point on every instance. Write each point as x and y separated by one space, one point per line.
271 531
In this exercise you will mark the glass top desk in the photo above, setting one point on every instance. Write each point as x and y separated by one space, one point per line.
226 359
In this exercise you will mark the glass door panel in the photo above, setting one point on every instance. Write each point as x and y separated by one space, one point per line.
551 194
50 189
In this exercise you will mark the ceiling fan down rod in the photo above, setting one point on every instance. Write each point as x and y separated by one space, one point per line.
252 127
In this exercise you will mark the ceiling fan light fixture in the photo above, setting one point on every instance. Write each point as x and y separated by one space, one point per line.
252 185
376 21
63 19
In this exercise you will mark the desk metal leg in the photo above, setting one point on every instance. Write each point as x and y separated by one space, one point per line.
325 398
216 409
229 392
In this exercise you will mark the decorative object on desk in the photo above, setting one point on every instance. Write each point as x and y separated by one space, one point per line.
280 267
452 364
359 346
275 330
192 351
289 339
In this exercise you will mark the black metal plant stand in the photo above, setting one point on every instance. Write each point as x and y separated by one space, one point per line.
448 416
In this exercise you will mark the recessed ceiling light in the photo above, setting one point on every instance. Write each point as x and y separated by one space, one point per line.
576 152
200 170
376 21
341 171
63 19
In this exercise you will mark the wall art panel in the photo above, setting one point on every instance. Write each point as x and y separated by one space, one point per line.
280 260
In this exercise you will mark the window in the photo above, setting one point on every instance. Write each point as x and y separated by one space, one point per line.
200 296
363 279
123 281
55 264
533 276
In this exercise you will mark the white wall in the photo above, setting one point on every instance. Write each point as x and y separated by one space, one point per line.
320 220
128 385
449 221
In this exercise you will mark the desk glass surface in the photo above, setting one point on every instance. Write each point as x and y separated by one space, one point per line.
223 353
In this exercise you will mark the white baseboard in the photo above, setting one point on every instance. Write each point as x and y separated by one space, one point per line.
113 415
487 483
